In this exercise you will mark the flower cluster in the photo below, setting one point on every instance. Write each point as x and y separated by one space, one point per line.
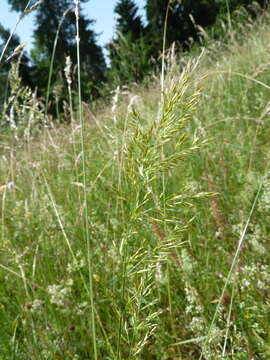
60 293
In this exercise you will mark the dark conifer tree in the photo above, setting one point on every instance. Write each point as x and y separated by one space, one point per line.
183 18
48 16
204 12
128 20
176 24
129 51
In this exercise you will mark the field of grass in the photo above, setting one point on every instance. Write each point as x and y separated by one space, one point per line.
142 231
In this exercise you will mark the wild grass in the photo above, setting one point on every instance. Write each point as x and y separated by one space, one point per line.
141 231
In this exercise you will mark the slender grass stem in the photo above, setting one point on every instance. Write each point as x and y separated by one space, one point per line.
14 30
229 16
228 321
244 76
235 259
123 305
87 232
52 60
164 51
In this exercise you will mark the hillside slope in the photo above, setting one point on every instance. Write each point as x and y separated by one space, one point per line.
145 234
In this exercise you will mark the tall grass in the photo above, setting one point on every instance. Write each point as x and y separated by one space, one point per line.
141 231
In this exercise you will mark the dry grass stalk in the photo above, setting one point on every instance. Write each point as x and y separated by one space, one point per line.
214 205
156 229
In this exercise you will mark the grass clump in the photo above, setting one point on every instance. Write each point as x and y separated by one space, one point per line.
133 230
176 227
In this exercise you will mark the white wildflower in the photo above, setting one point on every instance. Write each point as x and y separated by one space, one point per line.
77 263
34 306
186 261
60 293
9 186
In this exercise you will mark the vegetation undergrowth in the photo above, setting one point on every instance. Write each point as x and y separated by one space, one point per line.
140 244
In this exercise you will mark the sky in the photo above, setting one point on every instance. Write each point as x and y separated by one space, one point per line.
99 10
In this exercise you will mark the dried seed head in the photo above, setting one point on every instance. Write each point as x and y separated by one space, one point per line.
67 70
77 8
33 7
17 51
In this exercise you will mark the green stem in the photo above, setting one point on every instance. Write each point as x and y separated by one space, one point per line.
163 51
87 233
122 314
52 60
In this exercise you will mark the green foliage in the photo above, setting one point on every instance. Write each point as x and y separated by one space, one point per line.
128 21
129 51
122 70
22 112
185 23
135 49
55 21
48 18
204 12
179 26
24 69
166 210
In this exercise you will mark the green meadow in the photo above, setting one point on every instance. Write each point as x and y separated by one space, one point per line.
140 230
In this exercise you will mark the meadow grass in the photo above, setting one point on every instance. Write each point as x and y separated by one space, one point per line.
141 231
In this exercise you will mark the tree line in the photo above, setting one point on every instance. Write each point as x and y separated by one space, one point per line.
133 52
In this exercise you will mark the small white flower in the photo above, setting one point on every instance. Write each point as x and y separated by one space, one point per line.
10 185
69 282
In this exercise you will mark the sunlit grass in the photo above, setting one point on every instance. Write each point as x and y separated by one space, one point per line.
155 230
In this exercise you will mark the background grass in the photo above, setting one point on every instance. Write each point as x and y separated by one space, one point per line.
169 188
